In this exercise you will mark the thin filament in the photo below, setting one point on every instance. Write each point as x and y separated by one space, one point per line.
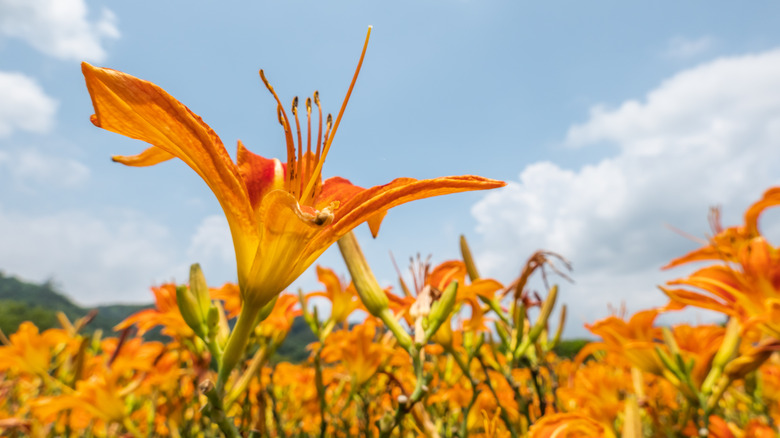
318 169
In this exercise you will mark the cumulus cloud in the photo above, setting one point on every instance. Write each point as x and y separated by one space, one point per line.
94 260
59 28
30 169
706 136
681 47
24 106
212 247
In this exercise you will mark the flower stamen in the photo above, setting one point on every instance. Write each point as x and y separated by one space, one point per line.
307 158
297 185
285 121
318 169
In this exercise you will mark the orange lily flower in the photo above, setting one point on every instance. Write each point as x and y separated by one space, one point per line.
566 425
634 340
166 313
281 217
747 285
344 299
30 351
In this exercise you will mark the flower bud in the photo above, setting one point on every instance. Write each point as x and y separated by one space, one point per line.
368 289
468 260
200 290
441 309
190 311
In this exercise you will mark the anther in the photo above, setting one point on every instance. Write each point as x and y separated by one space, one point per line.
295 105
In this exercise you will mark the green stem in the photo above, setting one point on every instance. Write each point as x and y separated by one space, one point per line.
504 415
236 344
320 391
257 361
217 414
464 432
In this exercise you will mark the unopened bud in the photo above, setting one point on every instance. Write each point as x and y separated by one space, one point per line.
441 309
200 289
188 306
368 289
468 260
544 314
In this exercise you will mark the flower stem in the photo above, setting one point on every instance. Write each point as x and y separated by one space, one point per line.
234 350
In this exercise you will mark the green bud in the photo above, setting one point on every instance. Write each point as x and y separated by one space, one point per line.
200 289
544 314
441 309
188 306
368 289
468 260
501 330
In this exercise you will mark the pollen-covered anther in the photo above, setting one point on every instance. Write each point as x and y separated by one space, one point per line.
323 217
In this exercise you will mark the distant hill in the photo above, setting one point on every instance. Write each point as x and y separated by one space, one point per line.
22 301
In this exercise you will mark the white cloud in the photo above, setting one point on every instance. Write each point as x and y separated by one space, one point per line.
707 136
59 28
30 168
24 106
682 47
95 260
212 247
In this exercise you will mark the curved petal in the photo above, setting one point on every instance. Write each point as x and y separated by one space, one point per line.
446 272
340 189
149 157
697 300
358 205
141 110
771 198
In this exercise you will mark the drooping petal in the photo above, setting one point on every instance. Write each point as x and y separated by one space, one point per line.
771 198
698 300
340 189
141 110
357 206
365 204
149 157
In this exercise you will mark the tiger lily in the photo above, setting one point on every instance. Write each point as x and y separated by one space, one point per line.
282 216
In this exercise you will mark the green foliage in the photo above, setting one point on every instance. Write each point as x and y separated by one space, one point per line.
293 349
13 313
569 348
22 301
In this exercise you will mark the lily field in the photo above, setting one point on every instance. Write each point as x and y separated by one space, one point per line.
447 352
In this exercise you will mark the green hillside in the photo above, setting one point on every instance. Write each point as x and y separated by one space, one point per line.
22 301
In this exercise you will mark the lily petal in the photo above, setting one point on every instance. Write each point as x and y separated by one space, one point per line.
149 157
141 110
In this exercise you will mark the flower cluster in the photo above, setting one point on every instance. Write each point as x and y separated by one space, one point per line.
447 354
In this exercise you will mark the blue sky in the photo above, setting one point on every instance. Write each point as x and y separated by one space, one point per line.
610 120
